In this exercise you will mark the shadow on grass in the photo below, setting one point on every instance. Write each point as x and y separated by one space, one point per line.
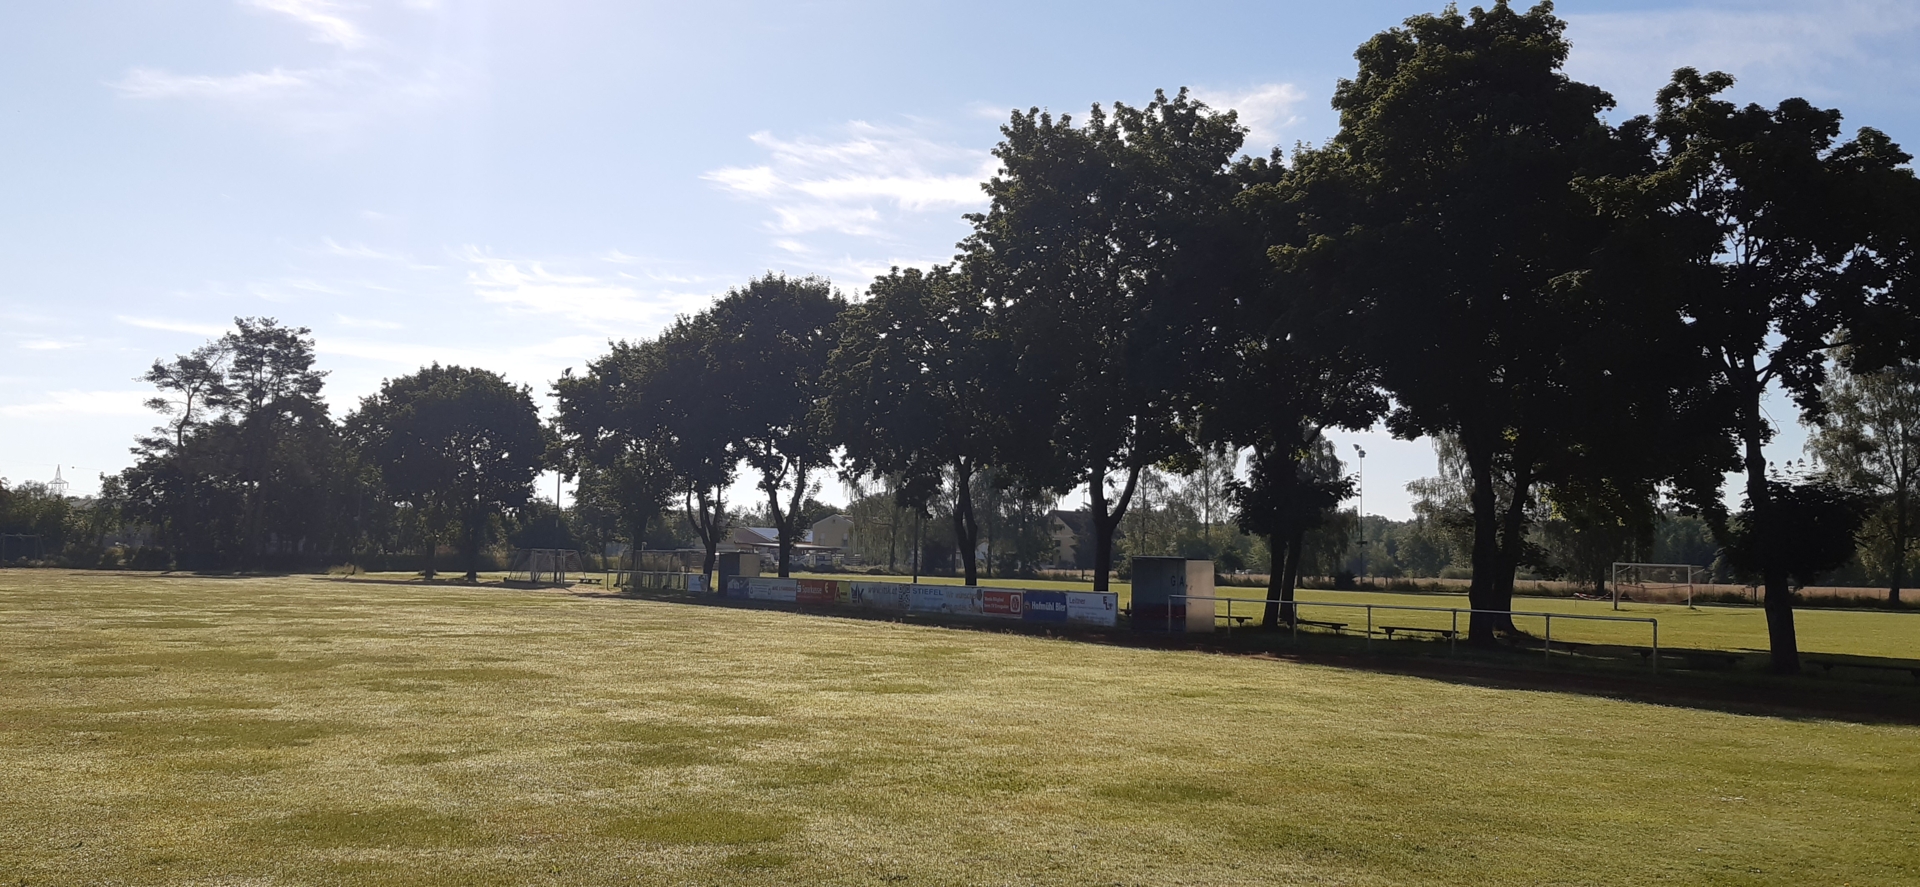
1859 689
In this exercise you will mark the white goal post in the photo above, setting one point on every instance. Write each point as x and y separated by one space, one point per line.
1655 579
543 566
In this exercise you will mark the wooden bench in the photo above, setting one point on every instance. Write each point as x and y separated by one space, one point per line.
589 580
1828 665
1335 627
1388 630
1236 619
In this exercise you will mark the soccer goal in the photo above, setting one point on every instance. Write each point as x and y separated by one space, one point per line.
1654 582
543 566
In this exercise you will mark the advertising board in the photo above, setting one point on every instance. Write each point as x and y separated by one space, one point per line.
817 591
1043 606
881 595
1002 602
785 590
961 599
1093 608
928 599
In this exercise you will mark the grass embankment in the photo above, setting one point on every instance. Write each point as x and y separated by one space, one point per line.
306 731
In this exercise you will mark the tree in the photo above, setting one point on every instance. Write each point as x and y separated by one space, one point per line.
703 423
1791 248
1445 216
911 391
248 450
768 350
1871 442
1078 256
270 386
455 442
617 432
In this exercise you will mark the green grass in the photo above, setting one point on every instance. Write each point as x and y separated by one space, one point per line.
308 731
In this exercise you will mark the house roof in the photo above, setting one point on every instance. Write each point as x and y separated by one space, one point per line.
1080 522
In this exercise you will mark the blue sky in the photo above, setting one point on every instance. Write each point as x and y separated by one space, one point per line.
511 184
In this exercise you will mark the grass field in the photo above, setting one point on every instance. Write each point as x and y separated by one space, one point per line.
165 730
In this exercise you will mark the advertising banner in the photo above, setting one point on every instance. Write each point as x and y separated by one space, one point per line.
1043 606
817 591
1002 602
697 584
786 590
928 599
961 599
881 595
1093 608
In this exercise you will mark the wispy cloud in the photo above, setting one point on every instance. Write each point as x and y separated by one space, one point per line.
322 16
1268 111
94 403
580 299
851 183
49 344
1776 48
173 326
366 80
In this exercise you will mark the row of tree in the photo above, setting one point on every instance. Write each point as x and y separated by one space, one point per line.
1589 314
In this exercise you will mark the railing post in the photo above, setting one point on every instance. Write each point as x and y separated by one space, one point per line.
1453 637
1548 647
1656 647
1369 644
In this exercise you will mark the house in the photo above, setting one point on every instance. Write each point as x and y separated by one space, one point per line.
826 544
1073 539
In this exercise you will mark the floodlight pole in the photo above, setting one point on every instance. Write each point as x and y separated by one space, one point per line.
1360 493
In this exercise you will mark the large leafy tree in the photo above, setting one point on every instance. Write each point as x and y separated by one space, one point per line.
455 442
1079 257
766 349
1445 215
1286 366
1871 442
912 392
617 433
248 450
1797 241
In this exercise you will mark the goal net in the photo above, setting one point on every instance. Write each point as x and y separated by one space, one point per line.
1655 583
543 566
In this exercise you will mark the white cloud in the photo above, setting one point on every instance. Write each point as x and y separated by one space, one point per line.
1267 111
173 326
579 299
360 251
366 323
1775 48
148 83
340 98
49 344
858 182
320 15
92 403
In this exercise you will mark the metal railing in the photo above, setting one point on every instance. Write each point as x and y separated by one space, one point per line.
1452 633
672 581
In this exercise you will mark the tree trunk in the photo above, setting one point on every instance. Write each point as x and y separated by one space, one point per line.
473 545
706 527
966 533
1103 523
1778 602
429 552
1276 569
1291 581
1481 594
1513 525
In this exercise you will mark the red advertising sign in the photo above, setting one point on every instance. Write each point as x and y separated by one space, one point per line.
1000 603
818 591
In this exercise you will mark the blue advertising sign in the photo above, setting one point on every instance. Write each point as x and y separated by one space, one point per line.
1044 606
